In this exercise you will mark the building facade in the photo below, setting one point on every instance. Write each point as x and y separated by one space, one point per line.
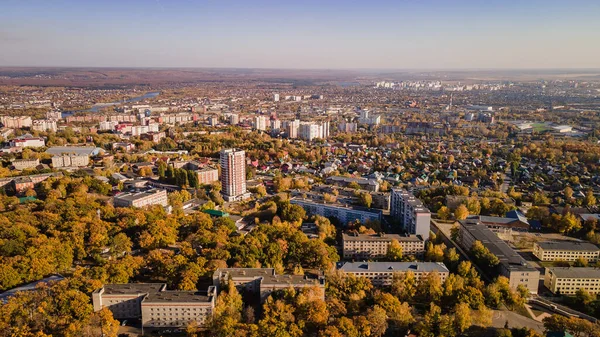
71 160
565 251
142 199
368 246
568 280
155 305
22 164
511 264
207 175
382 273
413 217
343 213
233 174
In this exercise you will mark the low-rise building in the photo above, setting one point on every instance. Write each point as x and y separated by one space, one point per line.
142 199
27 141
568 280
368 246
207 175
264 281
44 125
382 273
23 164
511 264
155 305
344 213
364 184
566 251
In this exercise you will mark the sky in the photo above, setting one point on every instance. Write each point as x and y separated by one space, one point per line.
328 34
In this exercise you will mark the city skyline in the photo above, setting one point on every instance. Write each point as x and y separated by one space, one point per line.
311 35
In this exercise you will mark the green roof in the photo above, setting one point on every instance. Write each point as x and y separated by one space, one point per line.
26 199
215 212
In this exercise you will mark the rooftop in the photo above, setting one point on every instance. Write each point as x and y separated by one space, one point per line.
132 288
354 267
176 296
568 245
245 272
571 272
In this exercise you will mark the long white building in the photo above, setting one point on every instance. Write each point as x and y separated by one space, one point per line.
382 273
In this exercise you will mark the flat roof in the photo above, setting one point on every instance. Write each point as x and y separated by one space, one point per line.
176 296
137 195
507 256
245 272
568 245
79 150
290 280
381 237
354 267
575 272
131 288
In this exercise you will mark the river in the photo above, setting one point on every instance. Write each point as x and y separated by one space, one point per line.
96 107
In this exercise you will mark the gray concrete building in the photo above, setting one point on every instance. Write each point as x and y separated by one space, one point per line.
411 214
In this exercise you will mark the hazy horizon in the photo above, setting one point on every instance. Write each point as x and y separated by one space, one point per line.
429 35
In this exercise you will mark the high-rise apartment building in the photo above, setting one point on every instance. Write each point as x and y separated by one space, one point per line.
260 123
291 128
233 174
412 215
276 97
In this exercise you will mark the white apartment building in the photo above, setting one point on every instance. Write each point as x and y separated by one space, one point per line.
142 199
309 131
414 218
108 125
374 246
275 97
141 129
567 280
234 119
382 273
70 160
260 123
44 125
566 251
347 127
291 128
233 174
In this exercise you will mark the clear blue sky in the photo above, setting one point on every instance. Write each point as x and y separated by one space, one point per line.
400 34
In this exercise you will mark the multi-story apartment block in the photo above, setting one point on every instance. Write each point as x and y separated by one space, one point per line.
16 122
142 199
344 213
347 127
44 125
154 305
512 265
291 128
568 280
233 174
309 130
207 175
566 251
264 281
23 164
414 218
70 160
260 123
382 273
234 119
369 246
